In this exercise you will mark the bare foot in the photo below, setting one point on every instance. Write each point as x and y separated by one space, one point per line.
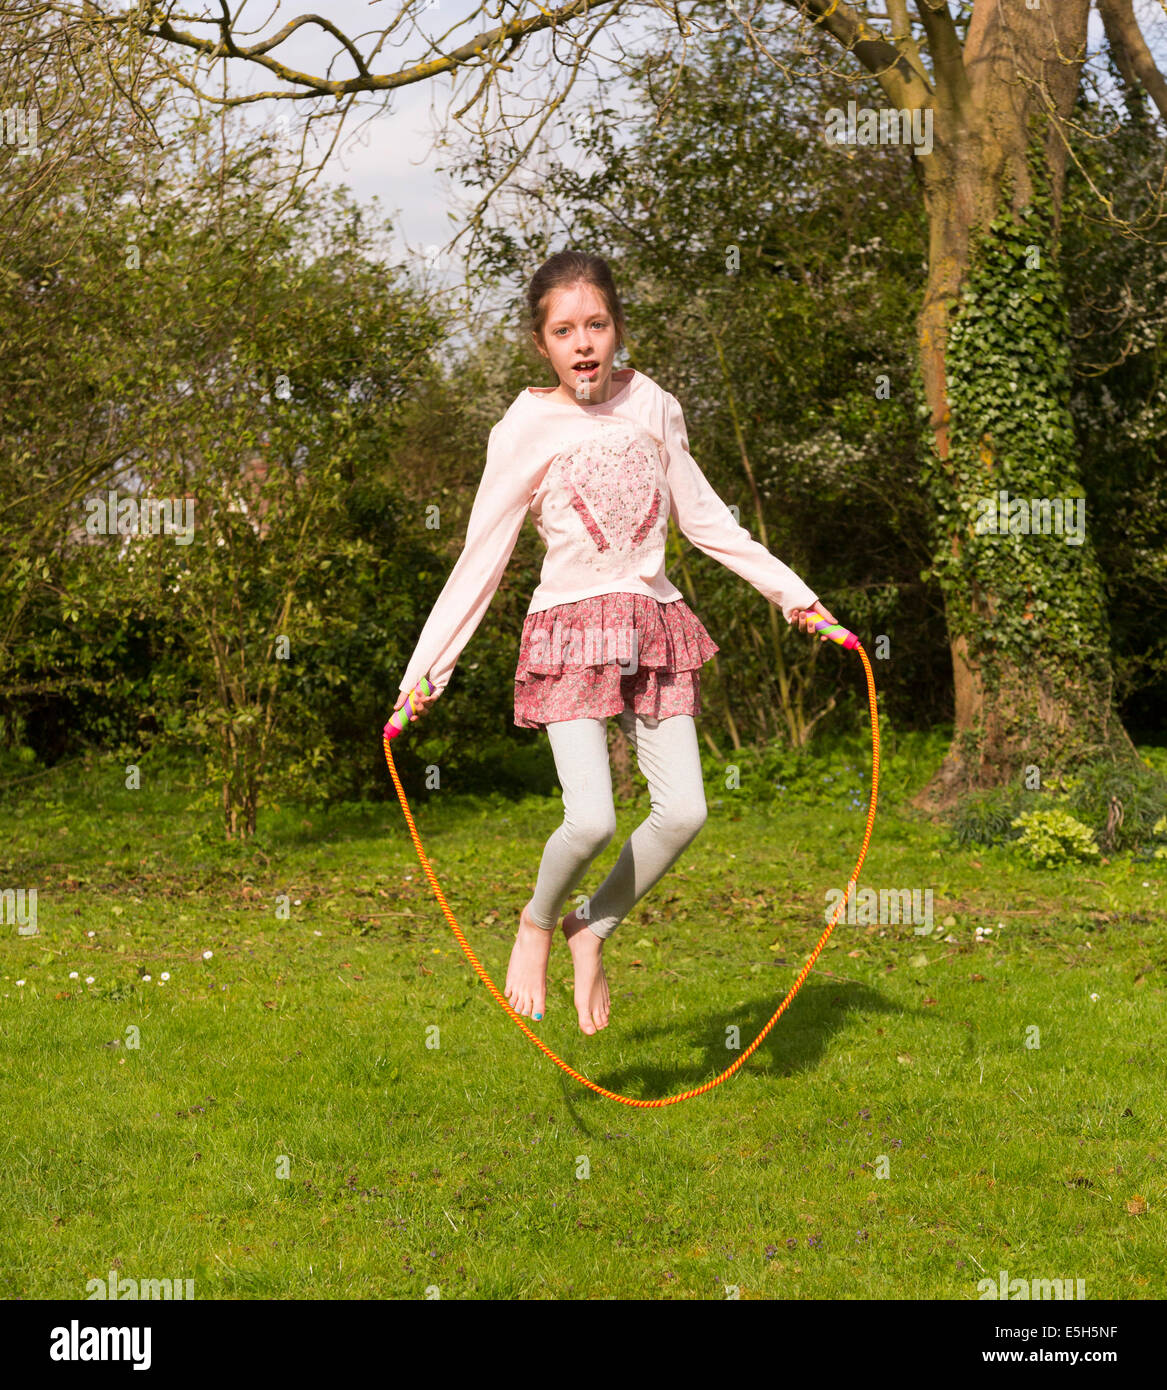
526 987
591 984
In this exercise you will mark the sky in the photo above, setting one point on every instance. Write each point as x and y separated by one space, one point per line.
393 156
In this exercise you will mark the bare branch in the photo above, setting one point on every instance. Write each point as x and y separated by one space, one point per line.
477 50
1131 54
901 35
892 68
952 84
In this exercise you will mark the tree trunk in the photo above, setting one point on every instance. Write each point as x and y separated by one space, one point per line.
1025 607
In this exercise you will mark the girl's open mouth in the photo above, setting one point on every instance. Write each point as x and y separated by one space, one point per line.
587 368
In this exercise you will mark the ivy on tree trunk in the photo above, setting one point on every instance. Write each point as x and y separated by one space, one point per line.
1022 586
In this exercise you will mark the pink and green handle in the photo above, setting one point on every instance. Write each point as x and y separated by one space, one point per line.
400 717
835 631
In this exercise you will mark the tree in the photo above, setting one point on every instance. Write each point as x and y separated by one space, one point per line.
983 97
76 118
223 356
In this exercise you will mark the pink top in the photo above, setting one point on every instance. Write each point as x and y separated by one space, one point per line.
600 481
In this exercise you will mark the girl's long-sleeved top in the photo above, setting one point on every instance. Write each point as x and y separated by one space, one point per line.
600 482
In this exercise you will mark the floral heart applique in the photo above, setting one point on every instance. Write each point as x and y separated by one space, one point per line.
613 488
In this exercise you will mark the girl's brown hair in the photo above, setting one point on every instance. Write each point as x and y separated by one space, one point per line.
563 271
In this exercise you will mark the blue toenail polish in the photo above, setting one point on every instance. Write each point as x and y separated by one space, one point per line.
538 1015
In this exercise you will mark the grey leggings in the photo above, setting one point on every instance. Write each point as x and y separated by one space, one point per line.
667 755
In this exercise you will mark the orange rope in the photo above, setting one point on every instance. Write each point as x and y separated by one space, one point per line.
806 969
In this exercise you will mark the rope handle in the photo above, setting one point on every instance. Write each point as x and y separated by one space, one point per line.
836 633
400 717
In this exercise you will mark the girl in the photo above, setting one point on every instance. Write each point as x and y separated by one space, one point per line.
600 461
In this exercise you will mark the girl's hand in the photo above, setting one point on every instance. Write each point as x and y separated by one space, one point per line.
800 616
421 704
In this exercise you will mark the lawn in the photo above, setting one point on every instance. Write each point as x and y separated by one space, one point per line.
321 1100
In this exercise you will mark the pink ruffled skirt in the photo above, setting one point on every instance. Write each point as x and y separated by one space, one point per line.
596 657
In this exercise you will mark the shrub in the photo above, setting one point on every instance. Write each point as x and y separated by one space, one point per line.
990 817
1140 790
1054 837
825 774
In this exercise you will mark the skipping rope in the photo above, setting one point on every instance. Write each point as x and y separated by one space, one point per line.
396 725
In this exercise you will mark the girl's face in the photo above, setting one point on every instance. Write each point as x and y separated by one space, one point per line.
579 340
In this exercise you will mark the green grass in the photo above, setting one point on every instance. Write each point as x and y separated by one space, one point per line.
458 1166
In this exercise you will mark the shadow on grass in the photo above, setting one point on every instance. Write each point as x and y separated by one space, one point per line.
795 1044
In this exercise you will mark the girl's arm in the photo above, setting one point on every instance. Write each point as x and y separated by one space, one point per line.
503 497
705 520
